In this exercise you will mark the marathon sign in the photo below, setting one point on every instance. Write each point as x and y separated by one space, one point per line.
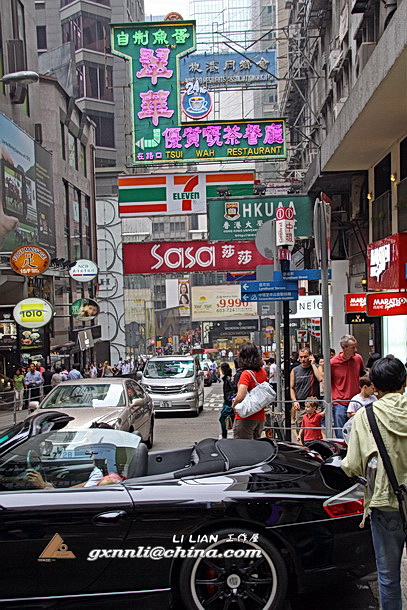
355 302
386 260
387 304
184 257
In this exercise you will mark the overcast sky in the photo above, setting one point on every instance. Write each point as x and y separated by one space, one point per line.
162 7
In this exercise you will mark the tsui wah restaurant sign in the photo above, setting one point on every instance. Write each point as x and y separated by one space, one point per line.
355 302
180 257
387 304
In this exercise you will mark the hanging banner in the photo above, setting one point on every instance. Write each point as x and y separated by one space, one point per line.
184 257
387 304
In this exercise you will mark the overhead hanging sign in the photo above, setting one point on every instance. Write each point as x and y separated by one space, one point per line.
184 257
222 302
386 261
168 194
233 218
29 260
33 313
355 302
229 70
83 270
387 304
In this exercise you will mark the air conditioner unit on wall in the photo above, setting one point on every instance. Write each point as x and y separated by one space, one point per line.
335 61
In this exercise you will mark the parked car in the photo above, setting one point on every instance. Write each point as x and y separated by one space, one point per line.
207 372
175 383
289 518
120 402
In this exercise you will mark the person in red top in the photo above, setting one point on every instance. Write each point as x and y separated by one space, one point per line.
346 370
311 422
249 360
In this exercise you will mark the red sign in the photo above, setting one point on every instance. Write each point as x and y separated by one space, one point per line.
182 257
387 304
355 302
386 261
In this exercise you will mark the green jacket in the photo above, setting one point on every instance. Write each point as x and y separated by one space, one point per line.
391 416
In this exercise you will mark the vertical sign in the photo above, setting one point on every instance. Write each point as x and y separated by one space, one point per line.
153 50
285 226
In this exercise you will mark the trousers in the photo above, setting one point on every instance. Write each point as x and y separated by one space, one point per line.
389 540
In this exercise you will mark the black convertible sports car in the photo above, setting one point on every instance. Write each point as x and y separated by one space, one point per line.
89 516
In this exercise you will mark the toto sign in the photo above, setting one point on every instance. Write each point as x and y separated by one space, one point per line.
180 257
33 313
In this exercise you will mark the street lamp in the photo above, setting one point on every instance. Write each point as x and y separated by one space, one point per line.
24 77
18 82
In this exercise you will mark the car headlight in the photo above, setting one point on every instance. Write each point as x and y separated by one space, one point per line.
189 387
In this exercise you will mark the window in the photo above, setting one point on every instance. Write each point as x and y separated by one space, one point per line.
63 143
41 38
95 82
72 150
104 129
83 160
382 171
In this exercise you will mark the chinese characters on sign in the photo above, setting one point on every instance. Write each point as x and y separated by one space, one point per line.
154 50
229 70
183 257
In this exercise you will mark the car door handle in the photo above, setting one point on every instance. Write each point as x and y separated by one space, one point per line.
110 518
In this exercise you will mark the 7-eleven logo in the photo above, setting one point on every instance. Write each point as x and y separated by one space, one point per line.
188 188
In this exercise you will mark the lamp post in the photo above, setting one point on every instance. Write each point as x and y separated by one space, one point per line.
18 82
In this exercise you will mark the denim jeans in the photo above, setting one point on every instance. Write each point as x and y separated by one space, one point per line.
340 418
227 411
388 541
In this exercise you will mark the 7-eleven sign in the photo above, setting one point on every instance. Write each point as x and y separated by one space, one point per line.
301 335
169 194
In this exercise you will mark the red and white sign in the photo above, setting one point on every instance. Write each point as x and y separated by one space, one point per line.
386 260
387 304
301 335
285 226
182 257
355 302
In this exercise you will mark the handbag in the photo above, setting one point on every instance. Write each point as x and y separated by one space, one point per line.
256 399
399 490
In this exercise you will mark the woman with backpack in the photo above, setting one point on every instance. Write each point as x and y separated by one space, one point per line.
229 391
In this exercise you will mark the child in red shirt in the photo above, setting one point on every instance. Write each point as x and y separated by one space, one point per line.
311 422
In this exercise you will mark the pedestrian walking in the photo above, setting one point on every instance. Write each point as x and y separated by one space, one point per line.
56 377
390 411
227 414
214 372
18 384
47 376
346 369
75 373
305 381
33 382
249 359
230 356
107 370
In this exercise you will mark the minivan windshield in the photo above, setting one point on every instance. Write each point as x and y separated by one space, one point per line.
157 369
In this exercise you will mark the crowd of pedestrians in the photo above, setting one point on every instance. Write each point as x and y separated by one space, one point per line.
36 381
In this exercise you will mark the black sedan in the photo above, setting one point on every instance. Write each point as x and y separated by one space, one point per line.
89 516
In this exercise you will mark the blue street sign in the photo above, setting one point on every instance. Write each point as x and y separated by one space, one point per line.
283 295
268 286
299 274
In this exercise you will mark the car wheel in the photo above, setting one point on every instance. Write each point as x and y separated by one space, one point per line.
150 440
257 581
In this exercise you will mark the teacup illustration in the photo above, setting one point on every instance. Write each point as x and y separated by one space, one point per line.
197 102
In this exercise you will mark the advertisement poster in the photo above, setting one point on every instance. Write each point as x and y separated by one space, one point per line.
26 194
8 329
31 343
84 309
212 303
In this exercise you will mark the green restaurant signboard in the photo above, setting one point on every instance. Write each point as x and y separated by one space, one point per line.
159 133
241 217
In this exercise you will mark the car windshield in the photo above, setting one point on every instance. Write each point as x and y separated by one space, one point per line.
85 396
67 457
156 369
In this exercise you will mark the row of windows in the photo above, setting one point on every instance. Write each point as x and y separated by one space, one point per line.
87 32
104 2
174 227
73 150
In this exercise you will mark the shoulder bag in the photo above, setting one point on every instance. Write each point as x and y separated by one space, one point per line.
399 490
256 399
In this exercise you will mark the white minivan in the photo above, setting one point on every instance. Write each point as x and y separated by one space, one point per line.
175 383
